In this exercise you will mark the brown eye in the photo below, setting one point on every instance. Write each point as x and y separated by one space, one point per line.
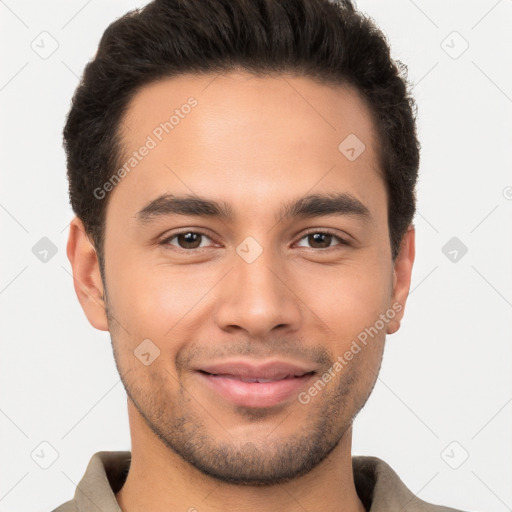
186 240
189 240
322 240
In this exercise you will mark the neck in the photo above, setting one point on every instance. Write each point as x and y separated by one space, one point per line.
160 480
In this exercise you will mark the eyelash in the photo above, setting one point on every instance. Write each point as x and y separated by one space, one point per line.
165 242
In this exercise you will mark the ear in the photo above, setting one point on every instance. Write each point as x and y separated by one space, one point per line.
402 277
86 275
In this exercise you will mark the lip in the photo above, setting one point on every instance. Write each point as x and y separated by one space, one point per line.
225 379
243 369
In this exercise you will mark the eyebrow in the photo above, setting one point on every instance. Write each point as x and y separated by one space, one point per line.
314 205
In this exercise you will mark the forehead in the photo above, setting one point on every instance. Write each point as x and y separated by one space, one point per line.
249 140
240 98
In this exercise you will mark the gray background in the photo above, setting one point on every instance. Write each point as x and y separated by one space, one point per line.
441 411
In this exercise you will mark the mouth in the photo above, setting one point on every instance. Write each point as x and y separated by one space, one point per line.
256 379
256 391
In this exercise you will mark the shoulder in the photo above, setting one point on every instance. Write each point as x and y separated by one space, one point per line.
69 506
103 477
381 489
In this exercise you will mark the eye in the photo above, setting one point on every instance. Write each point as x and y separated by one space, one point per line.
323 239
185 240
190 240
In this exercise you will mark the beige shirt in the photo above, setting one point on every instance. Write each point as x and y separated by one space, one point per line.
378 486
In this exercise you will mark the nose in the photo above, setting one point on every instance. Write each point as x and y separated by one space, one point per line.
258 297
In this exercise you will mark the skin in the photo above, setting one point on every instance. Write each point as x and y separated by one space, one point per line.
255 143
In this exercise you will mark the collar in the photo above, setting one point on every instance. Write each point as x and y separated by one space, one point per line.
378 486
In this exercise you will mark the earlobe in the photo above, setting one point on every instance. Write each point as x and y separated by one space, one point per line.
86 275
402 278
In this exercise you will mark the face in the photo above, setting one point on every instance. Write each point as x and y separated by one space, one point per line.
245 244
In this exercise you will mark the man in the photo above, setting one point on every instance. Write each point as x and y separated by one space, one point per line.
243 176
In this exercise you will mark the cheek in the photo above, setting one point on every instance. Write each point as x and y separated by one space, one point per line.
151 300
349 298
